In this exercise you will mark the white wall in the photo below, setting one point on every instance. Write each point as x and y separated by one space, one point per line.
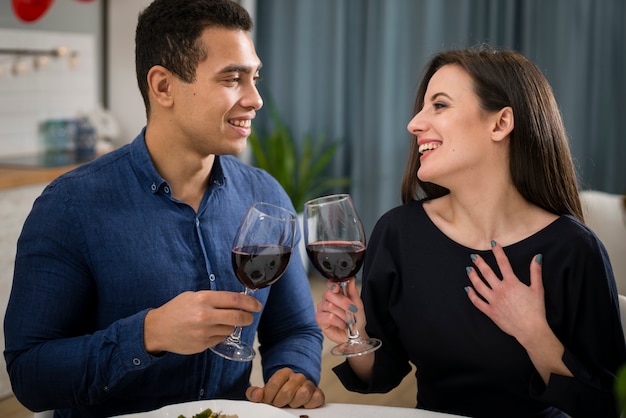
125 103
57 91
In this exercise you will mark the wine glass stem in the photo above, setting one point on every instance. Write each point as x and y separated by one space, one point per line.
236 335
353 333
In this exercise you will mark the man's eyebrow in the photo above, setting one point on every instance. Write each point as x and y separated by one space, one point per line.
236 68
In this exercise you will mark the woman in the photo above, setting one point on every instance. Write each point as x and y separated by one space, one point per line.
486 278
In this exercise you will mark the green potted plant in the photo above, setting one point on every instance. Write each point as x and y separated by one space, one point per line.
299 168
620 390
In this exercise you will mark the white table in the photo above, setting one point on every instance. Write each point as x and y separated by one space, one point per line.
246 409
334 410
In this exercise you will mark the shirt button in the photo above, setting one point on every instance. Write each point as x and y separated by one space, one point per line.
167 189
212 277
153 187
136 361
201 392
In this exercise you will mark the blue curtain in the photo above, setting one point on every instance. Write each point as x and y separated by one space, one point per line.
350 68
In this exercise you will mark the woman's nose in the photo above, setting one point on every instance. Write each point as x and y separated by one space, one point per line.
416 125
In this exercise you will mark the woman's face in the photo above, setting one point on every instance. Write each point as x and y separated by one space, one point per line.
453 132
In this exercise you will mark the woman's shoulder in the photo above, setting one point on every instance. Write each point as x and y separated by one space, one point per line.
568 231
402 212
404 217
568 225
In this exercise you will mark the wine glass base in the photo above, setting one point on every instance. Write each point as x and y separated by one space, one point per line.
355 347
236 351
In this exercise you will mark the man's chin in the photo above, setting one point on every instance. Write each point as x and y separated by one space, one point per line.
239 150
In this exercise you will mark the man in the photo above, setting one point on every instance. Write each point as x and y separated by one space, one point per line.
123 278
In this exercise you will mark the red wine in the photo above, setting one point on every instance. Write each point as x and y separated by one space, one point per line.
336 260
258 266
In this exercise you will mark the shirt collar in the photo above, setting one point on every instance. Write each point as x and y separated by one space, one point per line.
150 177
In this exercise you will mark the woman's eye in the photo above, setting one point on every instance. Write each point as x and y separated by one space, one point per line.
439 105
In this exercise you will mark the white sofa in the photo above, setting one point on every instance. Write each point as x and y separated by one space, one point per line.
605 214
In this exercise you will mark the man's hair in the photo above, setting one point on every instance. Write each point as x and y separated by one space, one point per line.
169 34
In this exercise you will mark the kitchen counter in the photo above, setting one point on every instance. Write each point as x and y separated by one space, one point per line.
23 176
36 168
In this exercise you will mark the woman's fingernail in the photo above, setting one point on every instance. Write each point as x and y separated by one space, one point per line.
466 288
468 270
493 243
539 258
353 309
473 257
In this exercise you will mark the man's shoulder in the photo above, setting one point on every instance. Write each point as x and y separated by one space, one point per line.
232 165
110 164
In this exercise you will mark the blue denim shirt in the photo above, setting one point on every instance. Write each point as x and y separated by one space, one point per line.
107 242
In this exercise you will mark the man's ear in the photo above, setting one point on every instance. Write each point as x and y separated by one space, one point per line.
504 124
160 85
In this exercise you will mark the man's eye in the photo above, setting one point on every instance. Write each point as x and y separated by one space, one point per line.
257 79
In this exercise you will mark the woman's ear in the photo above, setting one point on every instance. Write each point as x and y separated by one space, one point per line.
504 123
160 85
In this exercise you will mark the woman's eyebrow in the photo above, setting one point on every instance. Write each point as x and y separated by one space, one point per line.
436 95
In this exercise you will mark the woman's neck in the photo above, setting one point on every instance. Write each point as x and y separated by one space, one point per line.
475 219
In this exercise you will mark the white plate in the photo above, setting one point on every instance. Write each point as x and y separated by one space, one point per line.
243 409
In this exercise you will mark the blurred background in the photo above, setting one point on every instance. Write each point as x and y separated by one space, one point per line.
350 68
342 70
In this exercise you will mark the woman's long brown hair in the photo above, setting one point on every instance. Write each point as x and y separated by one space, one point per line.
541 164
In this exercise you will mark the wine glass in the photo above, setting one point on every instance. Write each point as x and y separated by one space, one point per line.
335 244
260 254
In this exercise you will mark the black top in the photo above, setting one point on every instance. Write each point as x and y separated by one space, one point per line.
413 290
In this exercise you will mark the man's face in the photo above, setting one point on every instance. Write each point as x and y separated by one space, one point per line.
214 113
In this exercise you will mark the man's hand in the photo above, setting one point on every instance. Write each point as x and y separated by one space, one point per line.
194 321
287 389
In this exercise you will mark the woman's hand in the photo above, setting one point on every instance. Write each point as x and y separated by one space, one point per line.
515 308
332 311
332 315
518 310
